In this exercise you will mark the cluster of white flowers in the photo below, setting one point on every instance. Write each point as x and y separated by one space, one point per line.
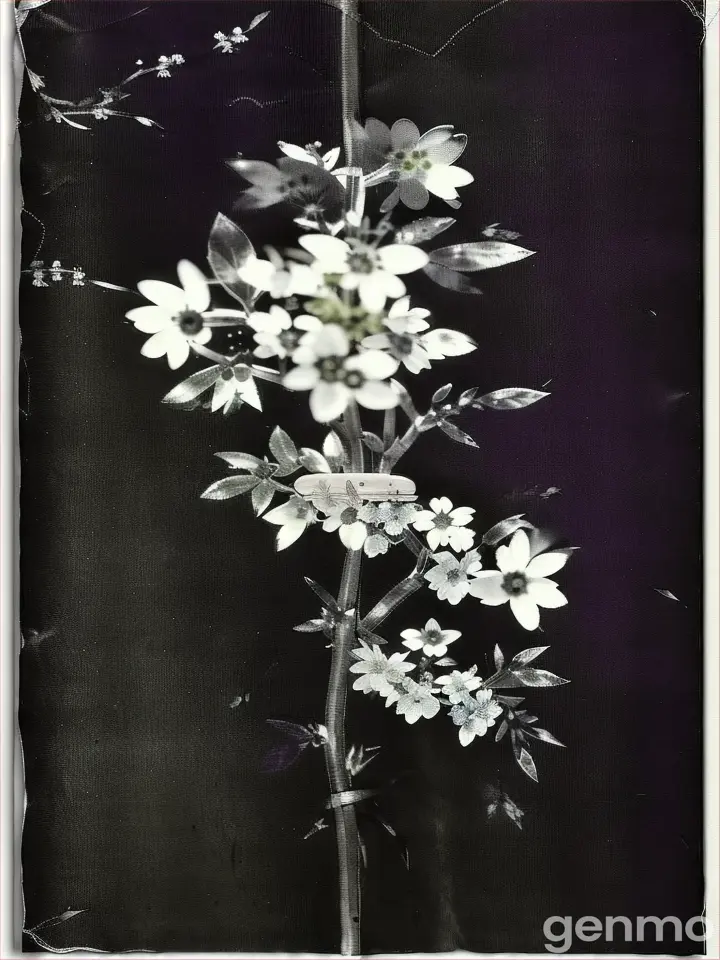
164 63
56 272
226 42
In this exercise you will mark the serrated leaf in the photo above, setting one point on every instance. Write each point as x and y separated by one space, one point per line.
510 398
456 434
441 393
530 677
284 451
527 656
450 279
540 734
313 461
256 20
527 764
192 387
504 528
481 255
229 248
424 229
229 487
498 657
372 441
240 461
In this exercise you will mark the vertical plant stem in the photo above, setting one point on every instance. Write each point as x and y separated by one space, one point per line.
346 830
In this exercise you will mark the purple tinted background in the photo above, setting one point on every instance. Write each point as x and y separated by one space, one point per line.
146 801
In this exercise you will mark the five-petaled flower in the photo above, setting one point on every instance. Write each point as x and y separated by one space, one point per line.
432 639
458 685
345 519
293 518
278 278
475 715
277 334
401 340
450 577
335 378
441 343
416 700
446 525
379 674
235 381
176 319
371 270
521 581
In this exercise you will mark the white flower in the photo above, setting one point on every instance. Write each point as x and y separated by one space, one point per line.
277 334
352 530
442 343
164 63
475 716
521 581
445 525
395 516
235 381
379 673
311 154
334 378
450 575
420 164
372 271
375 543
293 518
280 279
458 685
432 640
176 320
402 341
416 701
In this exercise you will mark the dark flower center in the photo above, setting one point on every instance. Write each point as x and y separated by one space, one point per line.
454 576
331 369
354 379
401 344
242 374
289 339
190 322
361 262
515 584
433 637
442 521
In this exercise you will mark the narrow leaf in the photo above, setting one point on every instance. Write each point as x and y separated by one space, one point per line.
527 764
510 398
441 393
526 656
112 286
455 433
229 487
327 598
501 731
256 20
261 496
192 387
498 657
529 677
467 396
504 528
481 255
310 626
229 248
450 279
540 734
666 593
372 442
333 451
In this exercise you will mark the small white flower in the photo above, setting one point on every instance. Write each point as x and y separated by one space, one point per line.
445 525
450 575
432 639
521 581
311 154
378 672
458 685
235 381
38 273
293 518
277 334
376 543
372 271
334 378
474 716
416 701
279 279
442 343
352 530
401 340
395 516
78 277
176 319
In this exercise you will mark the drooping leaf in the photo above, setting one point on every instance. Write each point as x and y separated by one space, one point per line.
498 657
256 20
530 677
481 255
527 656
441 393
313 461
229 487
510 398
240 461
229 248
284 451
372 441
504 528
424 229
455 433
540 734
527 764
449 279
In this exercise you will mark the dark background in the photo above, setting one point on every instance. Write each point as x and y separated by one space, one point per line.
146 804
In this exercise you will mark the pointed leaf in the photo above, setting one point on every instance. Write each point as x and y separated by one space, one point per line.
529 677
229 248
527 764
372 442
504 528
527 656
509 701
310 626
482 255
256 20
455 433
450 279
313 461
229 487
284 451
424 229
112 286
666 593
540 734
192 387
501 731
467 397
510 398
240 461
327 598
334 451
441 393
261 496
498 657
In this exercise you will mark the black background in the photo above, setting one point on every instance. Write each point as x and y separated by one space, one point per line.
146 803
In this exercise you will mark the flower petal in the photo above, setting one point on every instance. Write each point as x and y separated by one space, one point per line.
546 564
413 194
404 135
445 151
301 378
149 319
195 285
165 295
353 535
487 586
371 292
157 345
328 401
546 593
375 395
373 364
326 248
223 391
177 352
519 548
402 258
526 611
